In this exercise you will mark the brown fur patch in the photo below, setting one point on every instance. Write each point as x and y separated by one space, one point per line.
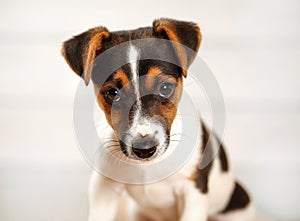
102 102
122 77
154 73
151 75
185 33
80 51
200 176
112 116
94 45
168 28
169 110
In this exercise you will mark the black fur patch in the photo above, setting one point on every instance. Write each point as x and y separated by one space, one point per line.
223 158
201 176
239 199
74 48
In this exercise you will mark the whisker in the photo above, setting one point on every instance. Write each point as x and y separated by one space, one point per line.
175 134
184 135
112 139
109 142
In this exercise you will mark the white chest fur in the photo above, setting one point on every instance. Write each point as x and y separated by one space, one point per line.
157 200
160 199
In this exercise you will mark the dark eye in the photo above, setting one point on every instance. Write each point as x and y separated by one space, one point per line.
166 90
112 95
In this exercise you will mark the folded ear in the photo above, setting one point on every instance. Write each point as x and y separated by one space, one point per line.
185 33
81 50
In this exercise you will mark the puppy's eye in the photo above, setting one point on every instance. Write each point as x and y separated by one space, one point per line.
166 90
112 95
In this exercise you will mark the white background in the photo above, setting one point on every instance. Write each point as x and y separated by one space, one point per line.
252 46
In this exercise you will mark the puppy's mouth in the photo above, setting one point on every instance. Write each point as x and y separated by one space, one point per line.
144 148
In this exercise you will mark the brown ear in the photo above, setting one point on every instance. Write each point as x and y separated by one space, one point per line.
80 51
186 33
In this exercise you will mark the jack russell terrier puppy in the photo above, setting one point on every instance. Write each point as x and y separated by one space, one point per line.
191 193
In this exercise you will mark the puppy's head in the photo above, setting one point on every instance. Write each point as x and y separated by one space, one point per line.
139 98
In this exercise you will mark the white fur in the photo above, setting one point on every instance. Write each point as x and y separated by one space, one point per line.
142 125
221 183
174 198
133 56
104 196
143 129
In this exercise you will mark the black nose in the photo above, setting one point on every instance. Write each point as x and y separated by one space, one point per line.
144 147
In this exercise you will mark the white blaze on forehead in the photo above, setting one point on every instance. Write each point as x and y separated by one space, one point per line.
133 56
142 126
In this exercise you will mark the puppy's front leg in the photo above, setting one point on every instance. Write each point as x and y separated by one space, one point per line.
104 197
192 204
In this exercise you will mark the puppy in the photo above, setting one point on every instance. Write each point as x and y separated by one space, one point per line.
140 101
